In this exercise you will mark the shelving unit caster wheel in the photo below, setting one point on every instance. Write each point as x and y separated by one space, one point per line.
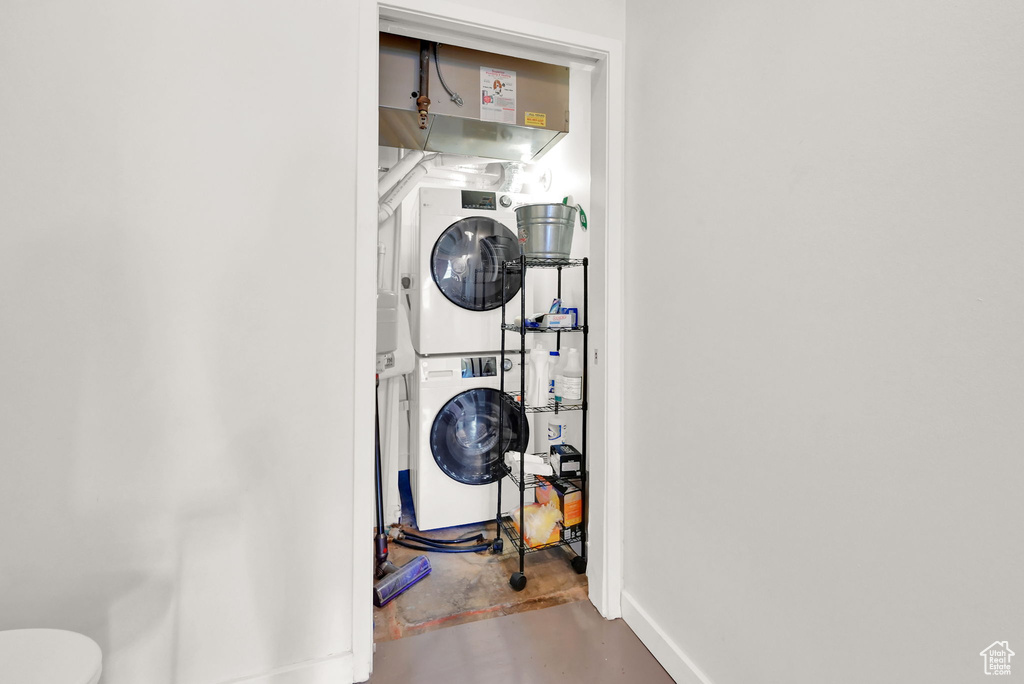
497 546
579 564
517 581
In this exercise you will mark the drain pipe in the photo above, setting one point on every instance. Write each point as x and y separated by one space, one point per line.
398 193
381 251
398 171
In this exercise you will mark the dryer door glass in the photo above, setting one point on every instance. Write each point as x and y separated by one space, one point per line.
464 436
466 263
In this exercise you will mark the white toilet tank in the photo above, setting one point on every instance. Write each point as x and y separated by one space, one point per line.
49 656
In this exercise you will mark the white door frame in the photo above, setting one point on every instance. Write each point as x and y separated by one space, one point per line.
479 29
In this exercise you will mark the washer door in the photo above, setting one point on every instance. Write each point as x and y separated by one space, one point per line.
466 263
464 436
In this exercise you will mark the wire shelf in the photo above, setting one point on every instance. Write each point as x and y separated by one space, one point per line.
551 407
537 262
531 481
567 537
516 329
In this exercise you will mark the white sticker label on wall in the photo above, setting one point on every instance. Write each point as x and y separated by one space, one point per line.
497 95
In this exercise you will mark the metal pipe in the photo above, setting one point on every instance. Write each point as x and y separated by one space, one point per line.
423 101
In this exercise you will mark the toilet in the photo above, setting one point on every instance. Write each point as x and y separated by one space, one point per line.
49 656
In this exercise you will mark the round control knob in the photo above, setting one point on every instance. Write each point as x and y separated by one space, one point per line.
505 201
506 365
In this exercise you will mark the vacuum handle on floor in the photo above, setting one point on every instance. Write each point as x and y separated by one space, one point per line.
381 540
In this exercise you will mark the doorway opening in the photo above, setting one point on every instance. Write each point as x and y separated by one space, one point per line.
588 165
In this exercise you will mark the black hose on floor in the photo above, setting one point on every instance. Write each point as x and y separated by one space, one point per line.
438 545
428 540
443 549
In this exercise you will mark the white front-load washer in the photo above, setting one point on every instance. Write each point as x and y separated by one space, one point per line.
463 237
455 456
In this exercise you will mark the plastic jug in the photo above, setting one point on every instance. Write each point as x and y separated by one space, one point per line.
569 384
558 430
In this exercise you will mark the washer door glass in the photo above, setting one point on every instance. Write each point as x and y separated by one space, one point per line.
466 263
464 436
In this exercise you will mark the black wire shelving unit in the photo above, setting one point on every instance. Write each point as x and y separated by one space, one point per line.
577 534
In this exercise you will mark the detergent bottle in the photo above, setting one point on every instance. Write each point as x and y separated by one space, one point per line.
558 430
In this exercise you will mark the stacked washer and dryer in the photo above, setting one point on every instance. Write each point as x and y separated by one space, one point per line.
455 305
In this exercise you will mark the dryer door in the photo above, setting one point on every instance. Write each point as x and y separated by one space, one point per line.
464 436
466 263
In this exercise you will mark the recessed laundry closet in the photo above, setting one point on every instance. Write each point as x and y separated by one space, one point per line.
484 282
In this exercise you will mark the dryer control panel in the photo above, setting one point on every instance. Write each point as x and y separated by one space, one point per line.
474 199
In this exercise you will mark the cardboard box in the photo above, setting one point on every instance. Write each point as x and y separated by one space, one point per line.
556 320
566 461
568 496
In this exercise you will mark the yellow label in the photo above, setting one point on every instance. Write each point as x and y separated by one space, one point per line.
536 119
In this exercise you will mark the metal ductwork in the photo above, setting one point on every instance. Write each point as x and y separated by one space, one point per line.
512 109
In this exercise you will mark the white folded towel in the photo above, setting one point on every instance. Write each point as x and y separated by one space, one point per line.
533 464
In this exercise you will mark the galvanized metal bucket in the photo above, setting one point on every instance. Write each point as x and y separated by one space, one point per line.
545 230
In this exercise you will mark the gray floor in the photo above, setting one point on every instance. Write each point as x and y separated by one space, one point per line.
566 643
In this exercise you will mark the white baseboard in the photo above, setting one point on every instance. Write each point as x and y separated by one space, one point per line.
672 658
331 670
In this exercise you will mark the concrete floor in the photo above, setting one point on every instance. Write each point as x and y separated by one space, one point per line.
566 643
467 587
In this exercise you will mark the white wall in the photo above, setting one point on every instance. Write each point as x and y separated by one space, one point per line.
598 17
826 213
176 229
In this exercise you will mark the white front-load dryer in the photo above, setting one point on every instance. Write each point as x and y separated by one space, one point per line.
455 455
457 291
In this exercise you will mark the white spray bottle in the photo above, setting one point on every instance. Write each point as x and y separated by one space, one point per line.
536 390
